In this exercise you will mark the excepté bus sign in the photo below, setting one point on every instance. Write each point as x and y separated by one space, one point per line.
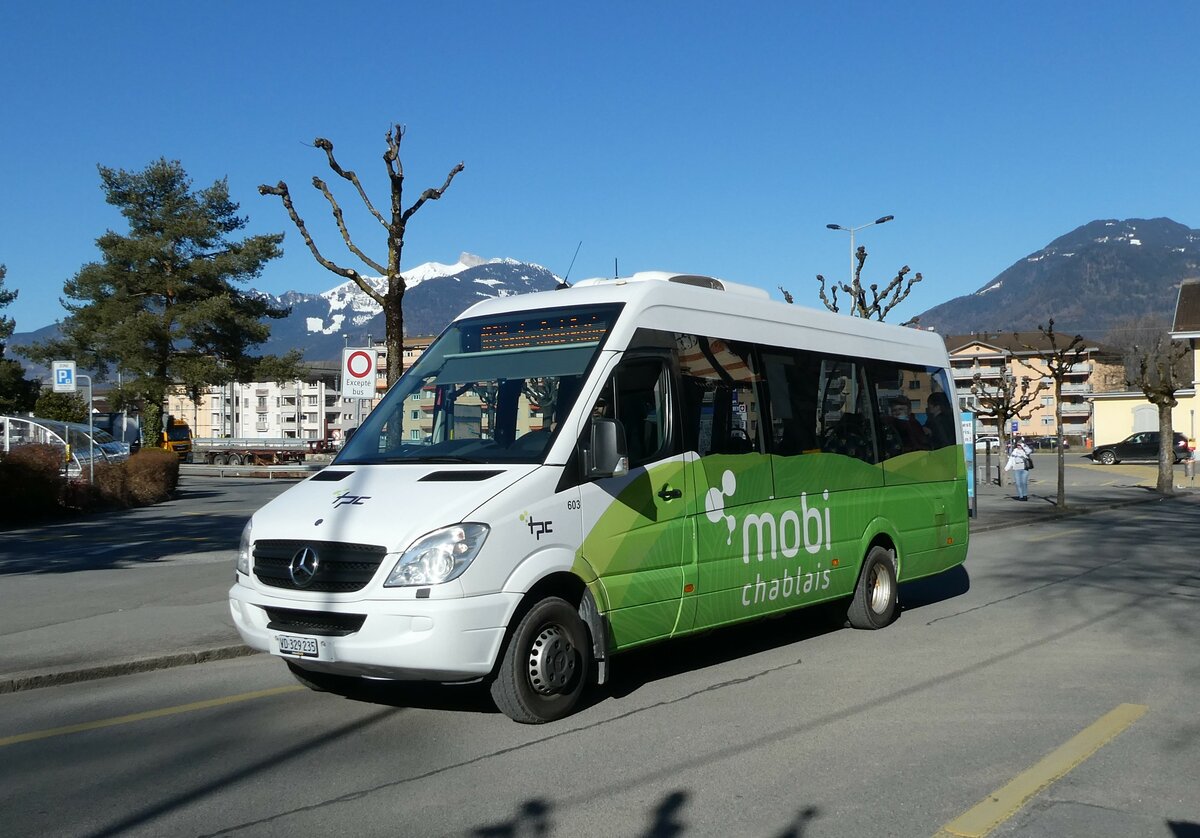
358 373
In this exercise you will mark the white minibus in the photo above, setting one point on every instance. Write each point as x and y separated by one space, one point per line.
564 476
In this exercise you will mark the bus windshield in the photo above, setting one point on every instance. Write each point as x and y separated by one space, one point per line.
489 390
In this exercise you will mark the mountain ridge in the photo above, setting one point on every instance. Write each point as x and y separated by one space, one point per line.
1087 280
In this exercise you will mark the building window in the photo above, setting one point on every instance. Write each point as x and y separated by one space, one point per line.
415 415
1047 401
414 434
312 401
416 397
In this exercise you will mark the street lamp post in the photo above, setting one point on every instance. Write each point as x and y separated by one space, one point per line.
852 231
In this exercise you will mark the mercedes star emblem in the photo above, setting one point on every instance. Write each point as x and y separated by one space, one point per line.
303 567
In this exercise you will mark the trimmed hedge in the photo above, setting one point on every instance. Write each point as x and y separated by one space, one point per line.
33 484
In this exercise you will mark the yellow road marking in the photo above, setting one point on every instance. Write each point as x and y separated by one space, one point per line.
1062 534
1003 803
148 714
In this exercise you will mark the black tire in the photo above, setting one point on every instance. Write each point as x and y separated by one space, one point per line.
1107 458
219 459
546 664
324 682
875 602
235 459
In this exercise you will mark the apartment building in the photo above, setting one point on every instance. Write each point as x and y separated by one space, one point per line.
997 356
311 408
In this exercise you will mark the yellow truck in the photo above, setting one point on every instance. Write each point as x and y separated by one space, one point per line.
177 437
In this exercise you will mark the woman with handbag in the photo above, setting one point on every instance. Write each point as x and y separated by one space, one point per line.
1020 464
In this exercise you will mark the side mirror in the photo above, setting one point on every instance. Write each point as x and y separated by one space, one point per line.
607 455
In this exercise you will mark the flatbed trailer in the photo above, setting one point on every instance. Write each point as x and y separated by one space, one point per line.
250 452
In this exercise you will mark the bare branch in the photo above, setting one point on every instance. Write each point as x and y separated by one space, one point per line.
431 194
326 146
821 293
341 223
281 189
787 295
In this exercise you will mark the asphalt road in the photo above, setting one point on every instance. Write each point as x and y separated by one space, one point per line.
1063 628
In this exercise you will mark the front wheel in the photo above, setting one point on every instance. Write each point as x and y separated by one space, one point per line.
875 598
1107 458
545 666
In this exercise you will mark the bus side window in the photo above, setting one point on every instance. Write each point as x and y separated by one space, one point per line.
637 396
846 416
721 396
792 385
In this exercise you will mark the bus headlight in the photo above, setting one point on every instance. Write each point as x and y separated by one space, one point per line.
244 550
438 557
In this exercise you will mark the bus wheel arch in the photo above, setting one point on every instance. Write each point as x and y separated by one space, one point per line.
546 661
875 601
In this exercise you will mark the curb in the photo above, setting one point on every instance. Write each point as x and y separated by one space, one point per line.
20 683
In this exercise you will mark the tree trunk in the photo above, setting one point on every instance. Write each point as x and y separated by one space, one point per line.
1166 451
1061 498
393 316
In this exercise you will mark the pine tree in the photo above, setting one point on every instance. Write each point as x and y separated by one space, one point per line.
163 304
17 394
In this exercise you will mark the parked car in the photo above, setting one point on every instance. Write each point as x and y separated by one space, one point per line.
1139 446
1048 442
982 443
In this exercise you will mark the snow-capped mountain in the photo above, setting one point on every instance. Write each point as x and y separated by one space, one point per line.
1087 280
436 293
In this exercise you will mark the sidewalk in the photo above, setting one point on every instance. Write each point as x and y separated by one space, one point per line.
1103 488
175 611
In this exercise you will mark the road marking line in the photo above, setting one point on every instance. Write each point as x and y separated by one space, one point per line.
1003 803
148 714
1055 535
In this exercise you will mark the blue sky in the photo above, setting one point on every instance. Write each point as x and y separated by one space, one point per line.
699 137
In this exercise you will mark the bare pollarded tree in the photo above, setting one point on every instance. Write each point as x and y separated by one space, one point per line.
1160 367
1010 398
391 299
881 301
1055 363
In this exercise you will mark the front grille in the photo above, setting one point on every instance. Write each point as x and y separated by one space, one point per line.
314 622
341 568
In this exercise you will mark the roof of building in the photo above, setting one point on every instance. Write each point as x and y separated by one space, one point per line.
1020 342
1187 308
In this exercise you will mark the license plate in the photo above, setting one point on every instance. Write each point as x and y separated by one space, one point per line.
300 647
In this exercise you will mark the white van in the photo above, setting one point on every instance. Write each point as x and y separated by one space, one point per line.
567 475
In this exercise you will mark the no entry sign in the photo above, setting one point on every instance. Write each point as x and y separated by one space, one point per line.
358 373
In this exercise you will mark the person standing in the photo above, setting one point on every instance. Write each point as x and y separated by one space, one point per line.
1019 464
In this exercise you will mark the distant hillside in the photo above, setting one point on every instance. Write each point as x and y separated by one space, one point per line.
1087 280
321 324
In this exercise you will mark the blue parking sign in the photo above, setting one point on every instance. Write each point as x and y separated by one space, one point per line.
64 376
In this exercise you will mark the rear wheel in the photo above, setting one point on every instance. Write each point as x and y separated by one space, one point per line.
875 601
1107 457
220 459
545 666
235 459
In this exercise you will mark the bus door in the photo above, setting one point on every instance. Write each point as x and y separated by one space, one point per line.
722 424
636 526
